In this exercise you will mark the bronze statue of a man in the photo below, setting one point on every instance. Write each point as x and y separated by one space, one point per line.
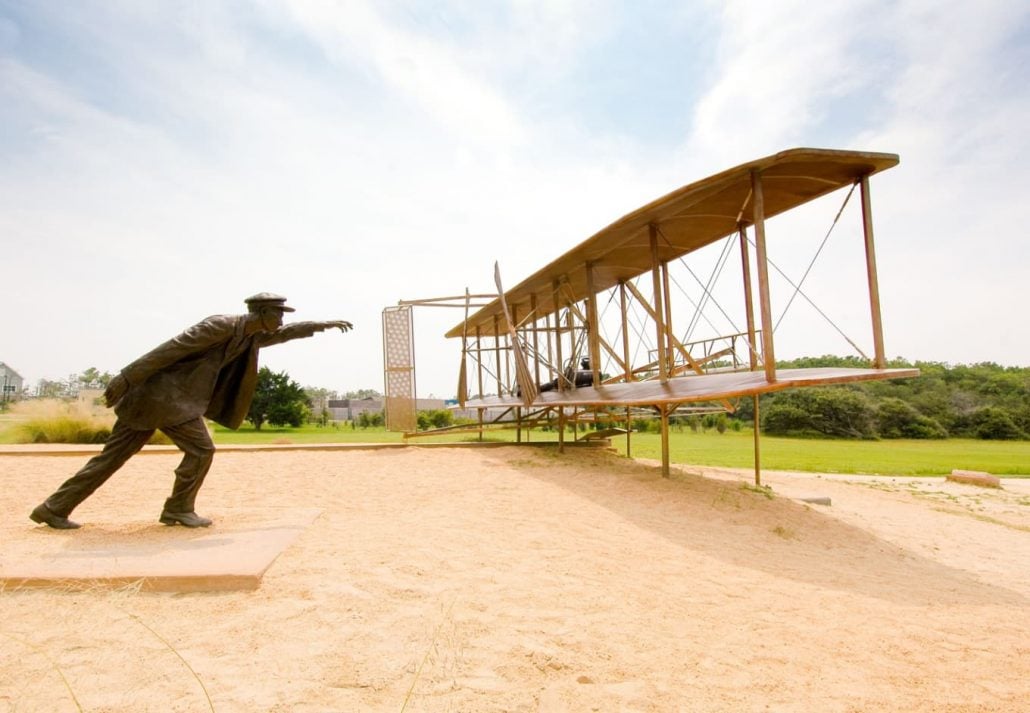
208 370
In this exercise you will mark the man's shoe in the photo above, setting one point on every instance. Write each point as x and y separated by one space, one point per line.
187 519
42 514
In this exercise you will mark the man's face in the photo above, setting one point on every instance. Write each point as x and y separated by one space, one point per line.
271 319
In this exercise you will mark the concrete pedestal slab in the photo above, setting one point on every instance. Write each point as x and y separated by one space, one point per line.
232 554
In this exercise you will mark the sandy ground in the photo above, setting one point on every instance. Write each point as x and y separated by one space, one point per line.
510 579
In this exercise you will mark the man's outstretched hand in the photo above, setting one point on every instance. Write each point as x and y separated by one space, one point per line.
115 390
341 325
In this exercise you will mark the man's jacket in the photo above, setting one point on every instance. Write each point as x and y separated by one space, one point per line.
208 370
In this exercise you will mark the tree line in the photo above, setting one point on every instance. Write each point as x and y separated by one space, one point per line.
985 401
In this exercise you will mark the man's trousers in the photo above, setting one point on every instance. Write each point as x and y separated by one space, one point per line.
192 439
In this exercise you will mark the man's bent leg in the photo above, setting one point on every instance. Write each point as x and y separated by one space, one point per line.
122 444
194 440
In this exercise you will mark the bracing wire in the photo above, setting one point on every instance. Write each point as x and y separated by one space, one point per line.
814 306
716 272
617 337
706 289
607 361
485 366
815 257
720 265
709 322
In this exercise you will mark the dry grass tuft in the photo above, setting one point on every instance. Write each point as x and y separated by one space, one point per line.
57 421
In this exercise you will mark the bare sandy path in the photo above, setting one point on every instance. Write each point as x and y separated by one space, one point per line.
520 580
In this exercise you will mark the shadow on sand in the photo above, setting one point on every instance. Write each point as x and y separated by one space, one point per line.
774 535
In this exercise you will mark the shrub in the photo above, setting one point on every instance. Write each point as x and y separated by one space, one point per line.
435 418
837 412
640 425
786 419
1021 417
370 419
992 423
717 420
647 425
896 419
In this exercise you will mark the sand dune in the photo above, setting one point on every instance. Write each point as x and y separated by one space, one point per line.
510 579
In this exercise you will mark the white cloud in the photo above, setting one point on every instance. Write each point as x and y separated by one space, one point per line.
426 71
779 63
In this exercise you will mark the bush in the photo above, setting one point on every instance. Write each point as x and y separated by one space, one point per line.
784 419
836 412
720 423
1021 417
435 418
370 419
896 419
993 423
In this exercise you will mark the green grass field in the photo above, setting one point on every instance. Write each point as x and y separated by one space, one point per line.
730 449
893 457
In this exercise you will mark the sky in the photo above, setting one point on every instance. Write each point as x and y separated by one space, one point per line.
160 162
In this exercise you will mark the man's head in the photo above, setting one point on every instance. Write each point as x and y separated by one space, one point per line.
268 308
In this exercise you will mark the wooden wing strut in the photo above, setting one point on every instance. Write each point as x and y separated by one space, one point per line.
463 370
527 387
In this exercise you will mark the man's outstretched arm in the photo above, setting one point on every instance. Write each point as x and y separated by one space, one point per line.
300 330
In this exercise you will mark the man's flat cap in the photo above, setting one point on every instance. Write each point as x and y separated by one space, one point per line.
267 299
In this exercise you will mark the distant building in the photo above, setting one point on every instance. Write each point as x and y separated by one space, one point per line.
350 409
11 382
429 404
